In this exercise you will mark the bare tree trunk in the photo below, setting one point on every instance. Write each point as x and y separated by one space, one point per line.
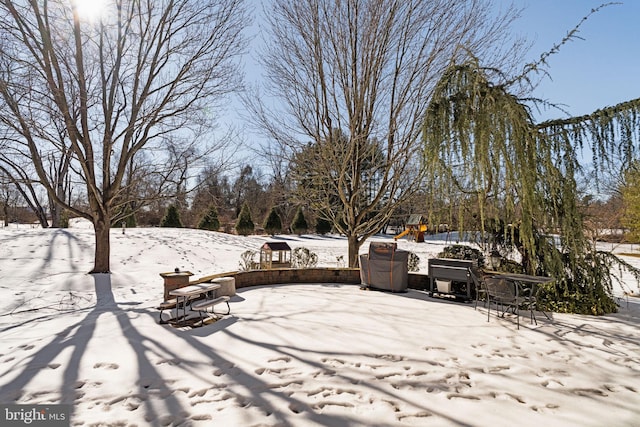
55 215
354 248
102 227
59 181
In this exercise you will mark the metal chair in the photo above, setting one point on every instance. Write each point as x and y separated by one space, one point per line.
481 291
509 296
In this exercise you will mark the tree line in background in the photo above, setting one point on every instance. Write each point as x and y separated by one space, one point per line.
217 201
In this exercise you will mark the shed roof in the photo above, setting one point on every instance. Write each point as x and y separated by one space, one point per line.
276 246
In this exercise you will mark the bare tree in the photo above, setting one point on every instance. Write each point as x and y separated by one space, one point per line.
143 74
18 172
356 75
9 195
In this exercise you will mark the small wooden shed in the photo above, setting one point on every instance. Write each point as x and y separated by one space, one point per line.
275 255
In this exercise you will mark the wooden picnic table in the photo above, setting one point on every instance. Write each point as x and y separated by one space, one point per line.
185 293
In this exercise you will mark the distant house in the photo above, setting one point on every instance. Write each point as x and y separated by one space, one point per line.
275 255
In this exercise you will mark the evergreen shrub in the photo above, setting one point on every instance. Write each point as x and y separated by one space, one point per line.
171 218
323 226
210 220
414 262
463 252
244 224
299 225
273 224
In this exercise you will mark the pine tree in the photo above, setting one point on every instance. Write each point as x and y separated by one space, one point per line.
299 225
130 220
323 226
171 218
210 220
244 224
273 224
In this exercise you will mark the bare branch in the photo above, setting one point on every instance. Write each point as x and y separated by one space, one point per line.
145 73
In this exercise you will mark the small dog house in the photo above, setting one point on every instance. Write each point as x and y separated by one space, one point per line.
275 255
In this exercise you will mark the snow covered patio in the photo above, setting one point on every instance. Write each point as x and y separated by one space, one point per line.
291 355
327 355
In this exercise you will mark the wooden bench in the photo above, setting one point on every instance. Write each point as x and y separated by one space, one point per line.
203 304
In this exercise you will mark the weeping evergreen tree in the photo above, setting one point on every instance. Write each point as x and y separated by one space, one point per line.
519 176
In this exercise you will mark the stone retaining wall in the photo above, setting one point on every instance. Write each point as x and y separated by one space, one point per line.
306 275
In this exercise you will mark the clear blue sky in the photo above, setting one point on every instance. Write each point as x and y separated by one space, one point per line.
601 70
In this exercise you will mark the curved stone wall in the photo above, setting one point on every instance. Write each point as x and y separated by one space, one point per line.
304 275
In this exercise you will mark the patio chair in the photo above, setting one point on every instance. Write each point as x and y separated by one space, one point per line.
481 291
508 295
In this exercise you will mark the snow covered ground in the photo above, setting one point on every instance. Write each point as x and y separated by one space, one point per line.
291 355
